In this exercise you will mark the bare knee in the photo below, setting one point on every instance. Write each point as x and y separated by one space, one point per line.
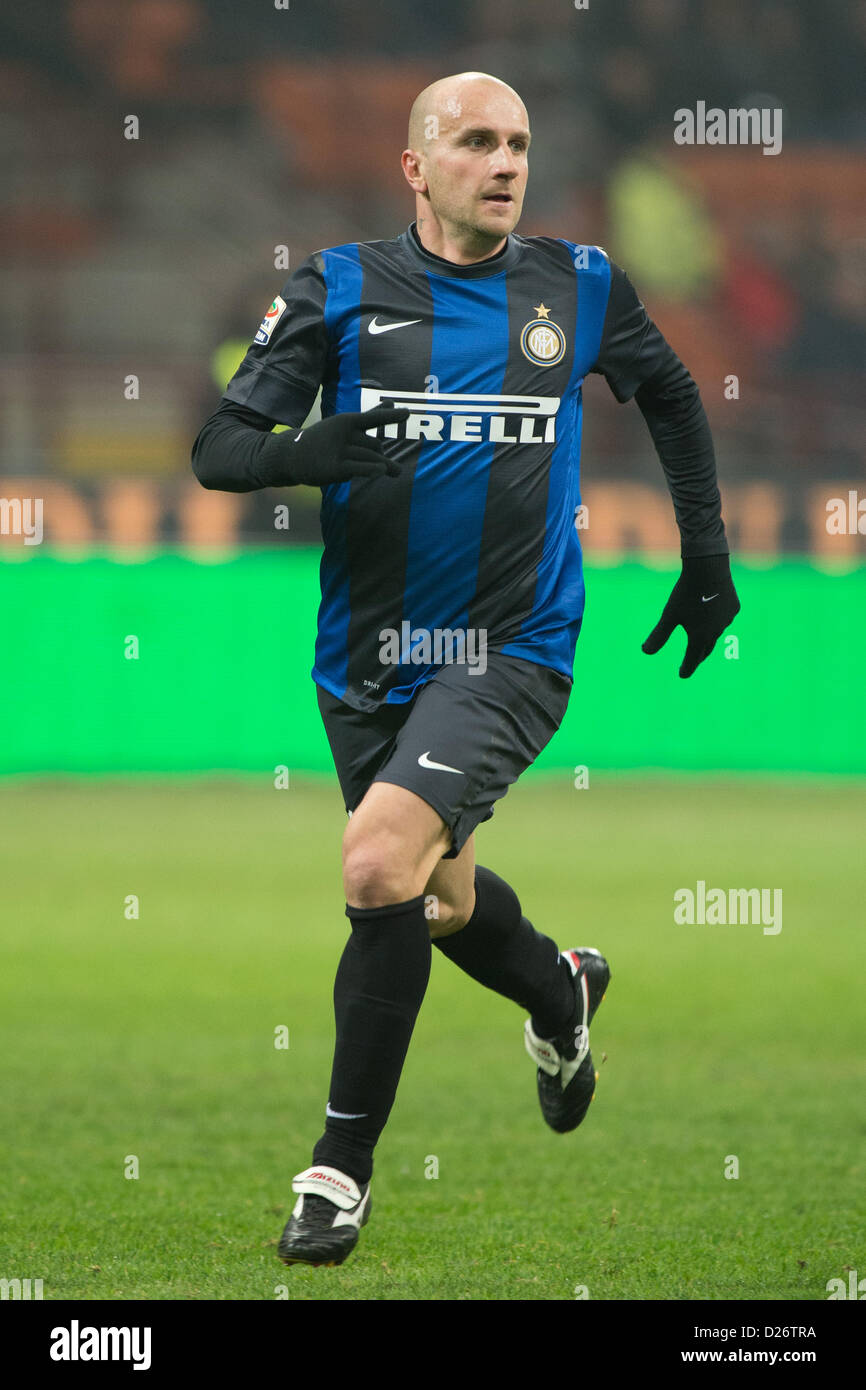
375 871
390 847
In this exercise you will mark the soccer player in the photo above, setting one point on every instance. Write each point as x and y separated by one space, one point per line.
451 360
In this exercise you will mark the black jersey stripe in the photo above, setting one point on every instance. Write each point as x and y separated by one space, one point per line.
514 517
377 528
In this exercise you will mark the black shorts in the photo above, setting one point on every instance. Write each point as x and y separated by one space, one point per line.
459 742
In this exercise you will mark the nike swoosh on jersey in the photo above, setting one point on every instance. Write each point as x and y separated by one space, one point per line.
341 1114
374 327
708 600
424 761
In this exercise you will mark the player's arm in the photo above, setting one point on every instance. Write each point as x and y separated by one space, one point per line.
235 451
277 383
639 364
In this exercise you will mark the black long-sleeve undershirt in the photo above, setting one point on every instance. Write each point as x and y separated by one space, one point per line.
638 363
235 451
676 419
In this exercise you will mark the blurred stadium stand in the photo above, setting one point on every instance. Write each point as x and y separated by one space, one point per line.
259 127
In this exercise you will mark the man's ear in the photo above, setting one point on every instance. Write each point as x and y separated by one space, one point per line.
412 170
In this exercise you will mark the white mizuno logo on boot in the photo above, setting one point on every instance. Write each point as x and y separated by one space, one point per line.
339 1188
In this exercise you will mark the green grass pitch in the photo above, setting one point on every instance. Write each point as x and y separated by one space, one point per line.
154 1037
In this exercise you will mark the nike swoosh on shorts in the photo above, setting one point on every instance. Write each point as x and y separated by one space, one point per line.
425 761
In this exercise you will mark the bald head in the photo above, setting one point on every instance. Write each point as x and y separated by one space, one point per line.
442 104
467 163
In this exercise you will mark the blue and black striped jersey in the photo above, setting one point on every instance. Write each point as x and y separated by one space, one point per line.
478 530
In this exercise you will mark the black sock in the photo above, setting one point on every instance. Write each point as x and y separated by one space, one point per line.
380 985
499 948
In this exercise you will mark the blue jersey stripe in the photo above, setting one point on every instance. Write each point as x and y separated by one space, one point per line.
344 278
450 487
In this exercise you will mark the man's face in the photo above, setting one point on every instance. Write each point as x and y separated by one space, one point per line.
476 167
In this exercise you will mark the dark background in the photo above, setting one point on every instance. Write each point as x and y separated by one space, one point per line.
261 127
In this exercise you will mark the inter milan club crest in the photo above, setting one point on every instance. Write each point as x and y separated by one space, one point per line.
542 340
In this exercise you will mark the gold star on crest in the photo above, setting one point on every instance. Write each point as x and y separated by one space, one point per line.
541 310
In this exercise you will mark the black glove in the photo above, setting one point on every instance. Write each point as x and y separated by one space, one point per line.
703 601
330 451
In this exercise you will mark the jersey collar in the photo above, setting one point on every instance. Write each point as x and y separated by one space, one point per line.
437 265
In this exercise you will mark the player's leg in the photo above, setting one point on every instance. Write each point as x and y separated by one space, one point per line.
509 714
456 751
450 893
390 847
480 926
501 949
477 922
485 730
